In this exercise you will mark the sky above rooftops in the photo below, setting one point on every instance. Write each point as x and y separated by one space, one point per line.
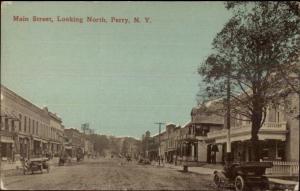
119 78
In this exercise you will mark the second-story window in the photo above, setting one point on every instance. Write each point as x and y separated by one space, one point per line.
33 127
272 114
6 125
25 124
20 122
29 125
12 125
37 127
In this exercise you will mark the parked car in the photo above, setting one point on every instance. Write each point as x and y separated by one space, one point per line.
64 158
242 176
144 161
37 164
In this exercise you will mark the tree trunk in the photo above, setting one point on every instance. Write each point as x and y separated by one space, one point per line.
255 153
256 124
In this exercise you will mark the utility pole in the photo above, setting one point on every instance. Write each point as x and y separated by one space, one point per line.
228 108
228 143
159 130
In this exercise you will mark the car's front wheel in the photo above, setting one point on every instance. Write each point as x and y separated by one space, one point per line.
239 183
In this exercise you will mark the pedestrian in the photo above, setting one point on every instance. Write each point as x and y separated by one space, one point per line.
213 157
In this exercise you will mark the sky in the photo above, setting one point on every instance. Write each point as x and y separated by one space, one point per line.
120 78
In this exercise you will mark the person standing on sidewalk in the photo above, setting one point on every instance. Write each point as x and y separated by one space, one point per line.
213 157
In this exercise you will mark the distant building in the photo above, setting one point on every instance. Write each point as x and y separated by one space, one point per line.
171 142
153 148
56 134
74 142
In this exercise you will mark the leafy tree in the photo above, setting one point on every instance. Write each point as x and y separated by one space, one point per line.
101 142
256 44
125 147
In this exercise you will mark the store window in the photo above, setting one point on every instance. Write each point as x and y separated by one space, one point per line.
281 150
37 127
265 153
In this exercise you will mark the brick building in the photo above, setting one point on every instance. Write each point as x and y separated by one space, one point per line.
25 129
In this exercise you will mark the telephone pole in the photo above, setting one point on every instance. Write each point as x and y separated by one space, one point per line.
228 142
228 109
159 130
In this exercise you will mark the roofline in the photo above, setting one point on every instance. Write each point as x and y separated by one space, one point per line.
23 99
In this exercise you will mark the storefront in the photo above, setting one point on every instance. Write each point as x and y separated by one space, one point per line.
24 147
69 150
37 150
7 146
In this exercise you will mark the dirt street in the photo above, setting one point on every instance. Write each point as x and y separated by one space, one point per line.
107 174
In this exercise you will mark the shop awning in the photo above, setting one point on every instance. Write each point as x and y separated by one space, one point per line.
40 140
37 139
68 147
8 115
54 142
4 139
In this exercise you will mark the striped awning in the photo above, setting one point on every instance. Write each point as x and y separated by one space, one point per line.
39 139
9 115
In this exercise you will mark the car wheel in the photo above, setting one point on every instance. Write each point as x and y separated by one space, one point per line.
217 180
239 183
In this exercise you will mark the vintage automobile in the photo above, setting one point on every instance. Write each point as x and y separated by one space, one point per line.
35 164
64 158
79 155
243 176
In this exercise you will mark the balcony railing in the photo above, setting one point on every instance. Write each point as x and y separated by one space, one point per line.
268 126
190 137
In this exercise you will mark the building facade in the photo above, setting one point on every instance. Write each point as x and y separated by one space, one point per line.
203 138
25 129
278 136
56 134
171 136
74 142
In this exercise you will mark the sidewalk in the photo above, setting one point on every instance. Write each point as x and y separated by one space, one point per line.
209 170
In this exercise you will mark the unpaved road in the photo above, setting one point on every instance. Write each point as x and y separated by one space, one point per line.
109 174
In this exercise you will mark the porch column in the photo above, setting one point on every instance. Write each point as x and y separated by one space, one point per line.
193 150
